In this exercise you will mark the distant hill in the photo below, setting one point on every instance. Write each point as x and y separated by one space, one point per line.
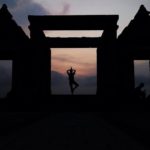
60 84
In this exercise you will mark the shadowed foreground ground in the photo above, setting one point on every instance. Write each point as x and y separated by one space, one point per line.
72 130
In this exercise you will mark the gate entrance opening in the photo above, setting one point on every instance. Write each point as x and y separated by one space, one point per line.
83 60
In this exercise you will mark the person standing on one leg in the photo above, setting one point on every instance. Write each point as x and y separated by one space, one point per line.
73 84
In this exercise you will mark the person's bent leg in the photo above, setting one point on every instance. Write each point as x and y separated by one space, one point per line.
76 85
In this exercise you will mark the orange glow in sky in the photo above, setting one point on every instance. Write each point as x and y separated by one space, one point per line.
81 59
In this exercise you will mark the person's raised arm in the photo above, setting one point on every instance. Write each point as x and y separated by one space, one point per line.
68 71
74 71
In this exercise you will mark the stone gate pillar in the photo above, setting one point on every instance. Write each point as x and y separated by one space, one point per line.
107 63
41 66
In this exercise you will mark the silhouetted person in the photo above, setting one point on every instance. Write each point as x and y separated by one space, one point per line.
139 94
73 84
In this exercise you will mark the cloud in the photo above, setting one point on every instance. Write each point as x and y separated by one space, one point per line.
57 7
66 8
10 3
71 59
20 10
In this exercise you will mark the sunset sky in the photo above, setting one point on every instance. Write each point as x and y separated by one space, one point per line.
125 8
83 60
